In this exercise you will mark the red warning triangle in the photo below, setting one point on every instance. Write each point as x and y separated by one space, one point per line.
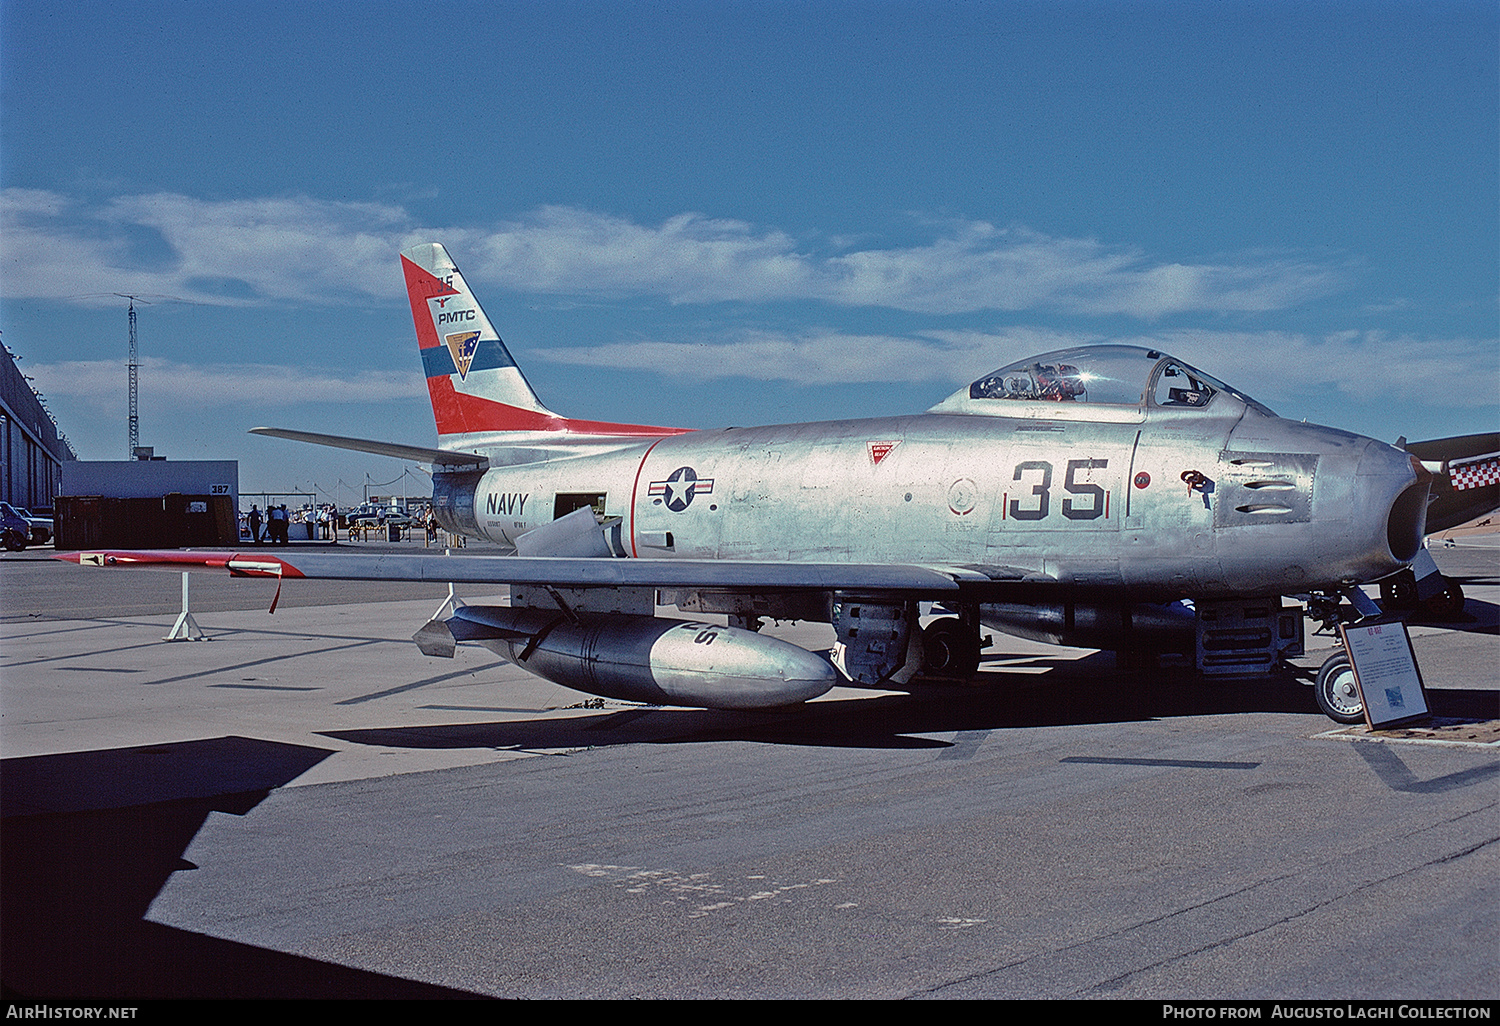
880 450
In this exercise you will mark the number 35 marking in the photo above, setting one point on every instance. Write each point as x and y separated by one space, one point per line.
1085 501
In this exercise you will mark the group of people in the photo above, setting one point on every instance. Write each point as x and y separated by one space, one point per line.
276 521
271 526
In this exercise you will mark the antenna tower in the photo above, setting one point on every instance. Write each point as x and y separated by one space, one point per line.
134 369
135 384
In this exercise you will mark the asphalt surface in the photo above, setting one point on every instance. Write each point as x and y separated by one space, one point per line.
304 806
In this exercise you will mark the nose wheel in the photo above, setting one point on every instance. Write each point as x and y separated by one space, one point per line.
1336 691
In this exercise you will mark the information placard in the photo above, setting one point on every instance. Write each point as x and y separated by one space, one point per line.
1385 671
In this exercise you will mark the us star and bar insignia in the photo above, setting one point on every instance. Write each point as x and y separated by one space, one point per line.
678 490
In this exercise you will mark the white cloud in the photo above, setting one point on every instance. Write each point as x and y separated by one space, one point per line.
230 253
289 249
307 251
822 356
1359 365
165 382
687 259
1364 366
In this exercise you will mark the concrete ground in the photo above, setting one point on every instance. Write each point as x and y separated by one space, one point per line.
305 806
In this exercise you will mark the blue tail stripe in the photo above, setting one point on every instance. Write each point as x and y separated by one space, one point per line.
490 355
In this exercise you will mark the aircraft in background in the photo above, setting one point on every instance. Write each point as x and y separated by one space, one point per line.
1106 496
1465 486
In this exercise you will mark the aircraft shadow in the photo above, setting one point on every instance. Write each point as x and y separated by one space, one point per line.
889 721
87 842
1478 617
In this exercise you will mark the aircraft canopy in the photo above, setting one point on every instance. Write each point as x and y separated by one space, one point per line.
1104 375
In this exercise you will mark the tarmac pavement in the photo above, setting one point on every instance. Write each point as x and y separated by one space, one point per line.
305 806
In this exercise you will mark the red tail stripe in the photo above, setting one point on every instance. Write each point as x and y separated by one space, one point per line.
460 413
420 287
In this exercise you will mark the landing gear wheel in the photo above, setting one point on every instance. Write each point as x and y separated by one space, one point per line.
949 649
1399 591
1448 603
1336 692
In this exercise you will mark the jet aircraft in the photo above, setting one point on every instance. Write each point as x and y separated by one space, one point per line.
1104 496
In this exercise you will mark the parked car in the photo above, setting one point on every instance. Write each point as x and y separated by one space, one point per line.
41 527
367 515
372 515
15 532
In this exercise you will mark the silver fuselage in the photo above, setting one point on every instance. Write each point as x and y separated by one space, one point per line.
1088 495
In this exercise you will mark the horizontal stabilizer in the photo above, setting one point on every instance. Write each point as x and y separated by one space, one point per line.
441 457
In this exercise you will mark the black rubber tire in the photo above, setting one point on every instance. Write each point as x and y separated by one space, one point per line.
14 541
1336 692
1447 604
949 649
1399 591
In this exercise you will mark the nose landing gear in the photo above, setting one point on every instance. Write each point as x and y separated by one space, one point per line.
1336 691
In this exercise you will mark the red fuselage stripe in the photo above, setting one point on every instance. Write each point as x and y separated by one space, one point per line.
635 488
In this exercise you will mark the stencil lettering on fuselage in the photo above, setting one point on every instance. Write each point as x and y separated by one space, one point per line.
509 504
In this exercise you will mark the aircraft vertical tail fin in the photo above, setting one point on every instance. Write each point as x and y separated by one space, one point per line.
473 381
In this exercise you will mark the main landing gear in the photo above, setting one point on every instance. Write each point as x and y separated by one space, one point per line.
1401 591
951 646
949 649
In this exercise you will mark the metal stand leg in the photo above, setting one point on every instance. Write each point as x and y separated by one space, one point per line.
186 628
450 605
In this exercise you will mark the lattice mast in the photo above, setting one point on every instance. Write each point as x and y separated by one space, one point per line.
135 383
133 369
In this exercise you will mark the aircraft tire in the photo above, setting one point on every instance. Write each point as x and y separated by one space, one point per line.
1336 692
1448 603
1399 591
949 649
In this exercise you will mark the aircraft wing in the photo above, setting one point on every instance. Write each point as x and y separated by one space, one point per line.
578 572
445 458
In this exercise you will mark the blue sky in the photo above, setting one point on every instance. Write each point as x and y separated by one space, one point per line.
712 213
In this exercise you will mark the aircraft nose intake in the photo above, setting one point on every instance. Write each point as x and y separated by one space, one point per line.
1406 523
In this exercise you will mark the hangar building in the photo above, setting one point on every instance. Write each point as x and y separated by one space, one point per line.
32 450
